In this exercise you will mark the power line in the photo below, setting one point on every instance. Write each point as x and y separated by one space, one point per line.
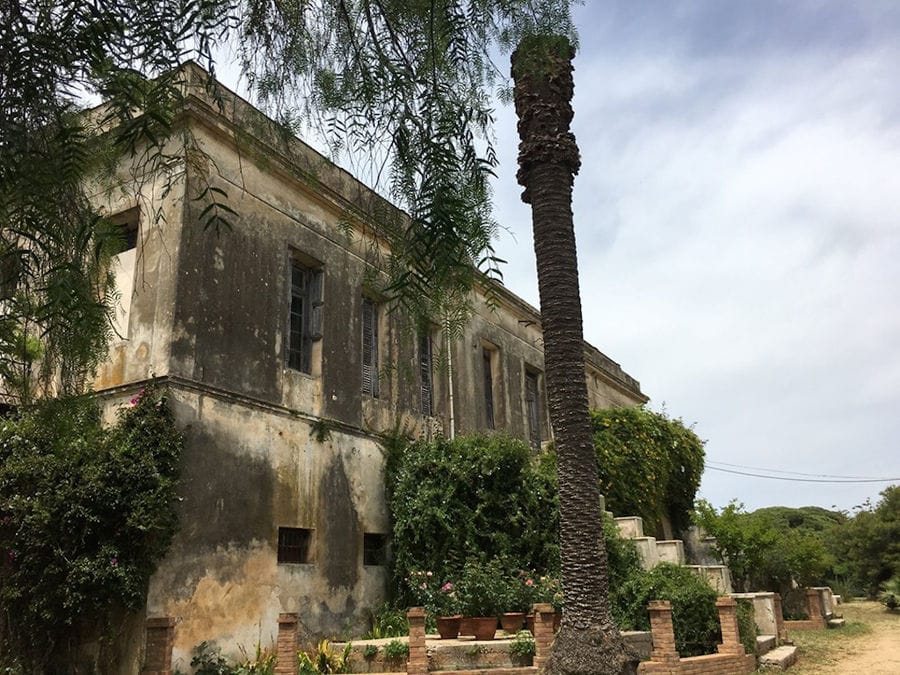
807 480
796 473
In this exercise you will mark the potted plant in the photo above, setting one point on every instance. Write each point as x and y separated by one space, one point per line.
482 596
549 590
520 598
448 618
522 649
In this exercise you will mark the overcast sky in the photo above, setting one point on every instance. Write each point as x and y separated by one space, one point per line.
736 215
737 221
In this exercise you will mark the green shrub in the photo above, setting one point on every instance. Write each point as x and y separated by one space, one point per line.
890 594
483 496
324 659
387 621
395 650
208 660
747 628
482 588
522 645
85 514
694 614
370 652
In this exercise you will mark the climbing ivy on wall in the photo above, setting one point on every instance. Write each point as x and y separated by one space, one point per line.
649 465
85 514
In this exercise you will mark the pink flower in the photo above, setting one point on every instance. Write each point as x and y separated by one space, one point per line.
113 561
423 586
529 582
446 587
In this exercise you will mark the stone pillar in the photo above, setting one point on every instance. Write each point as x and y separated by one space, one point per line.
814 607
286 646
160 640
731 638
543 633
662 631
417 663
780 629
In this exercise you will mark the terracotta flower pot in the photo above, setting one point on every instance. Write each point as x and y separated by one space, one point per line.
448 626
484 627
512 622
465 626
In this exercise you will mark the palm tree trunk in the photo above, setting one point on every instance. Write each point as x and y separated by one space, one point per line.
588 641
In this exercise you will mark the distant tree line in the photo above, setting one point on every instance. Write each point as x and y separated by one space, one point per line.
777 548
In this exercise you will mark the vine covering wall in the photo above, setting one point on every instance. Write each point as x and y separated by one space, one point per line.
85 514
649 465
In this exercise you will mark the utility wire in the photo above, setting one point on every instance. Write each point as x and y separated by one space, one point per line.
792 473
808 480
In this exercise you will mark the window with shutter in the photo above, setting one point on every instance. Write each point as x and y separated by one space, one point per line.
486 355
533 408
370 348
426 375
305 320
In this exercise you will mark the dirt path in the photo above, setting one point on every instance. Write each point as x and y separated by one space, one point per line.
869 644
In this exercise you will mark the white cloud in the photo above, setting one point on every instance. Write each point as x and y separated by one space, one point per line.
738 238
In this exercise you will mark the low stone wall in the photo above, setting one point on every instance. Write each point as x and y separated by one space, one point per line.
731 659
816 620
160 633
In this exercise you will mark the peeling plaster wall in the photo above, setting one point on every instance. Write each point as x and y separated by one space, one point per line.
145 276
208 312
248 470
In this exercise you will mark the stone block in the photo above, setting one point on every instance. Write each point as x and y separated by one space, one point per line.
780 657
671 551
646 548
630 527
765 644
717 576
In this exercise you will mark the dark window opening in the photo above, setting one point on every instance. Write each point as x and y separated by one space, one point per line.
370 348
127 223
294 545
487 358
305 324
533 408
374 549
426 375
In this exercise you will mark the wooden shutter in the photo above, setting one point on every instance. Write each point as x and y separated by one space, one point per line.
316 300
426 375
369 348
488 388
533 408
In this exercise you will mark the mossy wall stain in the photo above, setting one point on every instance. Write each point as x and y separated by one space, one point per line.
340 535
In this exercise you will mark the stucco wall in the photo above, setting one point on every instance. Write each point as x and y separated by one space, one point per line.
208 313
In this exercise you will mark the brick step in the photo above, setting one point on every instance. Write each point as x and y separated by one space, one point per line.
781 657
835 623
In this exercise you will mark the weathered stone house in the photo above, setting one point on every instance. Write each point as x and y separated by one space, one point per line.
283 367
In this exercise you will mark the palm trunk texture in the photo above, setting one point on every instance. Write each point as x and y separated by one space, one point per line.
588 641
